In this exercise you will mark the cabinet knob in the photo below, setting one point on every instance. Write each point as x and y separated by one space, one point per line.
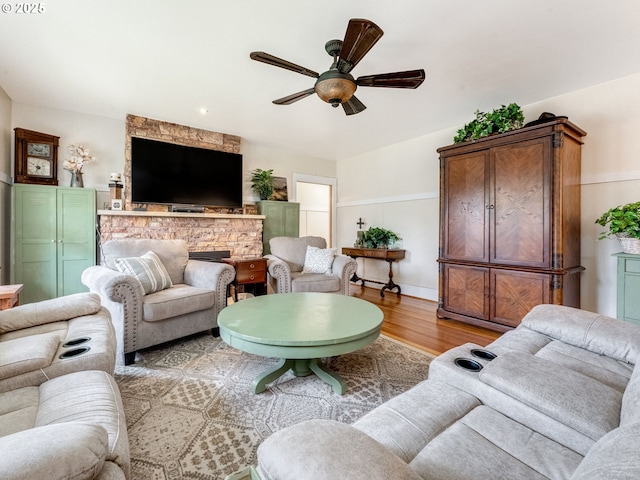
490 207
251 265
252 277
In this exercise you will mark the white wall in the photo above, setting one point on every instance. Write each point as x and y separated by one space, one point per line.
105 138
397 188
6 133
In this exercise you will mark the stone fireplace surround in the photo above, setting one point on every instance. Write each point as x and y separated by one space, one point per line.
216 229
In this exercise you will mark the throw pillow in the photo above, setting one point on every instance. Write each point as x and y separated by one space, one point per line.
318 260
148 269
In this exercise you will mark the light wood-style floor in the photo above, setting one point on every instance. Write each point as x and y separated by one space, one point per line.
413 321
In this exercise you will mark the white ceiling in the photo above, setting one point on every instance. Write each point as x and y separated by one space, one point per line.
166 59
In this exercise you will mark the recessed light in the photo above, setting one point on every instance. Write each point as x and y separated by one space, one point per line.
203 110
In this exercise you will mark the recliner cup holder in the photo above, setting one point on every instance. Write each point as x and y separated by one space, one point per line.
468 364
483 354
74 352
76 341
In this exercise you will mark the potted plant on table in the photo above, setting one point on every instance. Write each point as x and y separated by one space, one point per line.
623 222
376 237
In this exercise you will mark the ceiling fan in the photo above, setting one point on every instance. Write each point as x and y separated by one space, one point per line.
336 86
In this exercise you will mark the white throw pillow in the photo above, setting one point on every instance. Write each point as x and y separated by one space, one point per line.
318 260
148 269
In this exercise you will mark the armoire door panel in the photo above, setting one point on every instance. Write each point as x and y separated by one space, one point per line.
520 195
466 290
466 212
515 293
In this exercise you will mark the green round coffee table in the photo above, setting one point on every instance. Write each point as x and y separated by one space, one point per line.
300 328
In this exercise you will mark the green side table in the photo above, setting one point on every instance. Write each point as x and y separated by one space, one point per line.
300 329
628 303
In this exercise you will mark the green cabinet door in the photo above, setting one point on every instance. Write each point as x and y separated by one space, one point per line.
76 212
35 241
628 287
282 220
54 239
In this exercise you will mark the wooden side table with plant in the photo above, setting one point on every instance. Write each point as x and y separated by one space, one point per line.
374 243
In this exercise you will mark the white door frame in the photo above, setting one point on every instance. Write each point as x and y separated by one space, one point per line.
332 182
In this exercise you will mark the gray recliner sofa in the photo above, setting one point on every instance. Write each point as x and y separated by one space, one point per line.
190 305
556 398
61 414
43 340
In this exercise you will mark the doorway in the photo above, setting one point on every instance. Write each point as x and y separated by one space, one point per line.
317 197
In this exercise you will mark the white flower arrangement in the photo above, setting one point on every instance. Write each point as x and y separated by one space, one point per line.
79 156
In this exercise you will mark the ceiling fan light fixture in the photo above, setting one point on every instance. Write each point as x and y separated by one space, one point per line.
335 88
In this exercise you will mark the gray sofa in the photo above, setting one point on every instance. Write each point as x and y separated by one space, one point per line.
61 415
43 340
556 398
190 305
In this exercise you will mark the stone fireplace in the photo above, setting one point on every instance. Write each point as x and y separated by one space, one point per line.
216 229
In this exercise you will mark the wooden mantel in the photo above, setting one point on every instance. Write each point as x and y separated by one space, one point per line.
141 213
240 234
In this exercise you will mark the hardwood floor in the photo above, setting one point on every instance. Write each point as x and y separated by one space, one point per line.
413 321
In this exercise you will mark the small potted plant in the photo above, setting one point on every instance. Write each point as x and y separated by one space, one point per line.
376 237
623 222
262 182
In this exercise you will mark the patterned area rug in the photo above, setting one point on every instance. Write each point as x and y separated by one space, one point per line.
191 414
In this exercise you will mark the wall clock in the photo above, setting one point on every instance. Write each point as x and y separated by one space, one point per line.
36 158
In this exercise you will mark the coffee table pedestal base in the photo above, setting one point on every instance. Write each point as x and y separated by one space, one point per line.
300 368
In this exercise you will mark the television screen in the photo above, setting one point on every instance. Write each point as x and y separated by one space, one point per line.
176 174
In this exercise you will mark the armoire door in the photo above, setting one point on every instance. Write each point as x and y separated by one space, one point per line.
514 294
465 233
521 204
466 290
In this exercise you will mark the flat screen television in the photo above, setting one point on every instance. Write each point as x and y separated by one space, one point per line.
179 175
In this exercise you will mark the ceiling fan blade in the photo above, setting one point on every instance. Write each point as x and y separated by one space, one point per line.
353 106
278 62
408 79
294 97
360 37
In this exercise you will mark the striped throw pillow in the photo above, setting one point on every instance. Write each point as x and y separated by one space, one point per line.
148 269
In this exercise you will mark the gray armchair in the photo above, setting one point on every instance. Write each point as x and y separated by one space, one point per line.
190 305
285 267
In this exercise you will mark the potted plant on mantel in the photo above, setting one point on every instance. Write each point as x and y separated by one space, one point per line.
376 237
263 183
623 222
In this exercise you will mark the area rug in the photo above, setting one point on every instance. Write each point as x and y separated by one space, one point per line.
191 414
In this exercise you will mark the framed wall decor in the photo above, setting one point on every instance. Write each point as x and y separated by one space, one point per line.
36 159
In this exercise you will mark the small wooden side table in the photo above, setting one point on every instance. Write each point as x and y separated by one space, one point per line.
390 255
249 271
9 296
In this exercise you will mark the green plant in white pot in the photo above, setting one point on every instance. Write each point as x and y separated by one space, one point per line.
623 222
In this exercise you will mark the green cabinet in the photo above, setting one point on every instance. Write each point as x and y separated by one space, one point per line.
628 287
282 220
54 239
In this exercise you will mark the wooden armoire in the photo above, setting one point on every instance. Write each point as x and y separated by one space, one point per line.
510 224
